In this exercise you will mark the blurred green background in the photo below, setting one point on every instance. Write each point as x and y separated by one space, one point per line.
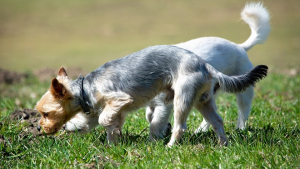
75 33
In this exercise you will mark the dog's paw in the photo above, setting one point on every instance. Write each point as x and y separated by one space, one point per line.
202 128
169 145
223 141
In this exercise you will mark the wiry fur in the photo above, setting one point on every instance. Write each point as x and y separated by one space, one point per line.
225 56
123 85
239 83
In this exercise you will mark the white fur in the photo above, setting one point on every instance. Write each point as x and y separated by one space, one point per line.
227 57
83 123
258 18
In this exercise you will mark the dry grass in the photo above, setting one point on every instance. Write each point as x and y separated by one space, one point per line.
35 34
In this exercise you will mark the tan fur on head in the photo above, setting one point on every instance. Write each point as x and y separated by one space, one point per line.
58 90
56 105
53 115
62 72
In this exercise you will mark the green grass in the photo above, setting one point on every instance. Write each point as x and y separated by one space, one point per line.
36 34
271 139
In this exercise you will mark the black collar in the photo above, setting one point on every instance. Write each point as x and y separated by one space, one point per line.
84 101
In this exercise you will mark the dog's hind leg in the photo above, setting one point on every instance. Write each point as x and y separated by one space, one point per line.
183 101
244 104
209 112
204 126
244 101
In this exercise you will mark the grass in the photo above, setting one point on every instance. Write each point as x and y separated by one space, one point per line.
39 34
270 141
36 34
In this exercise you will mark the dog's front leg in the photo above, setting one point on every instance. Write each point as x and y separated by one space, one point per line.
113 134
113 122
113 115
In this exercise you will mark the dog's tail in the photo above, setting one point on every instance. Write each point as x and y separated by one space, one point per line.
257 17
236 84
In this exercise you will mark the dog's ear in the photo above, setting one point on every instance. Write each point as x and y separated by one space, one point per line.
62 72
58 90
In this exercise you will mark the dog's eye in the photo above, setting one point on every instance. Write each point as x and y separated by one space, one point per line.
45 114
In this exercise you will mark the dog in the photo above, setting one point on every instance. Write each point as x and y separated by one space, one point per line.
225 56
126 84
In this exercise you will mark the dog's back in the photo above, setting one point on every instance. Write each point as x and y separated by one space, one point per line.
150 70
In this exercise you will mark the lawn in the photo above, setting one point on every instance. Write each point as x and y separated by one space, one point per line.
271 139
85 34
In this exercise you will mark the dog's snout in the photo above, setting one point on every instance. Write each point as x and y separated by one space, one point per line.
39 128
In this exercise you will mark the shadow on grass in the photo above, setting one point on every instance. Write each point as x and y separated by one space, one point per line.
267 135
14 141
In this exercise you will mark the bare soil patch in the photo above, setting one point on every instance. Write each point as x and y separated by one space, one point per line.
11 77
43 75
30 117
28 120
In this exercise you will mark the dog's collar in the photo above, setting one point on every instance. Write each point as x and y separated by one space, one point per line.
84 101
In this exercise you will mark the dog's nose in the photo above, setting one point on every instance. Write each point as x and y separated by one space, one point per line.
39 128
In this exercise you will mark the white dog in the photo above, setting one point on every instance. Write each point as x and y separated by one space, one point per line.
225 56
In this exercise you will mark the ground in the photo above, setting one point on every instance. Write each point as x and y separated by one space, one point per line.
271 138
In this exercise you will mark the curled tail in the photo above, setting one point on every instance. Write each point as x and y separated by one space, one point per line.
236 84
258 18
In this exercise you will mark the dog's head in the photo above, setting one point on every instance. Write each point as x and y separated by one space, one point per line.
57 105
